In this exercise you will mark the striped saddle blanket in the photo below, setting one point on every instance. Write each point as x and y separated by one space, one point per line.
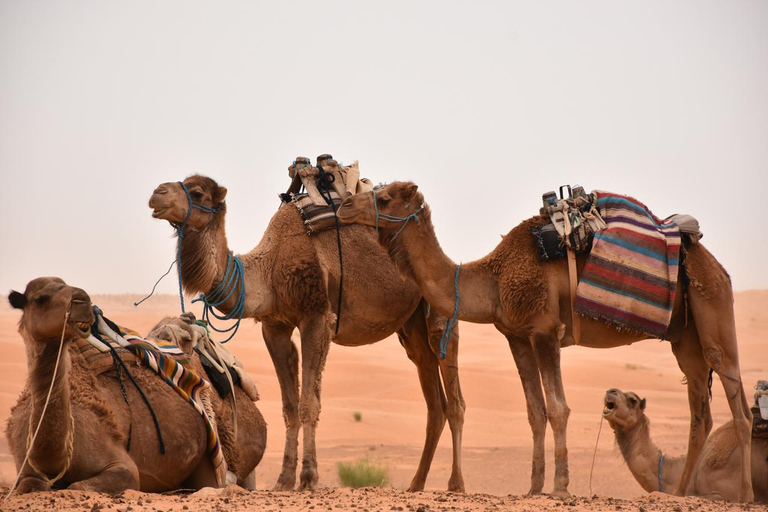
630 276
169 362
316 218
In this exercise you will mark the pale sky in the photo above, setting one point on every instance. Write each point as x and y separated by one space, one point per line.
485 105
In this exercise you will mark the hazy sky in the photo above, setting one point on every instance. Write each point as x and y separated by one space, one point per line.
486 105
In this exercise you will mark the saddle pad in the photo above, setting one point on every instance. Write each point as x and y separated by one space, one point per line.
99 361
165 359
316 218
630 276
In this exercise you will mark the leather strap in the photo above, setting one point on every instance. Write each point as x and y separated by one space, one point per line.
574 281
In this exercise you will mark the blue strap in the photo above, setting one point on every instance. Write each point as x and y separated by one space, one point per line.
449 325
661 463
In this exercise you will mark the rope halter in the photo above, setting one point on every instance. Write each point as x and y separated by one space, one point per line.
393 218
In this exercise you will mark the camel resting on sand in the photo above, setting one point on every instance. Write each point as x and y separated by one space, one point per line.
529 303
90 438
716 474
291 280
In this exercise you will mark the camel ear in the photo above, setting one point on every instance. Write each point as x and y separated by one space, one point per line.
221 194
17 300
188 317
410 191
642 404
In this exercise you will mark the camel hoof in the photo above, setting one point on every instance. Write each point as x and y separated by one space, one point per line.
416 486
284 485
561 493
309 480
456 485
32 485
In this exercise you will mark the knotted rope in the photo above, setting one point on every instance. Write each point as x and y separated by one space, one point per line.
393 218
31 442
234 279
446 338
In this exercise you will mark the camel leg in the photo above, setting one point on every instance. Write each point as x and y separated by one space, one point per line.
315 342
691 361
449 369
116 478
285 359
716 326
413 337
546 346
528 369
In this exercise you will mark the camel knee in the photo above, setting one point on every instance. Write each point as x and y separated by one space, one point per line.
714 357
558 416
537 418
309 411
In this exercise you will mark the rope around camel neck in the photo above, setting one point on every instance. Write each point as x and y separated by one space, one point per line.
31 443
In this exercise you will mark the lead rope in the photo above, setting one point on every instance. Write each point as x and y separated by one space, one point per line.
31 443
325 179
446 338
594 455
661 464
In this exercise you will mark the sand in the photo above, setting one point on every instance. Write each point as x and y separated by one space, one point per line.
380 384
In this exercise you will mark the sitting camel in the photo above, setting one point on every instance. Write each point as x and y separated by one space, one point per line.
291 280
716 474
529 303
90 437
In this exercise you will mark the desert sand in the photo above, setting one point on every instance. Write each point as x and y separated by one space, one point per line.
380 384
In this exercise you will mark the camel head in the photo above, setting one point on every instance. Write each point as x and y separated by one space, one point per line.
396 200
45 303
170 202
623 410
182 331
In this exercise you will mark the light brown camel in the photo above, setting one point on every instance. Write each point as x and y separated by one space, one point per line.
241 427
716 475
529 302
90 437
292 280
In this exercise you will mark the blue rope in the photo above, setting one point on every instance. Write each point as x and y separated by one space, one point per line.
452 322
661 463
376 209
234 279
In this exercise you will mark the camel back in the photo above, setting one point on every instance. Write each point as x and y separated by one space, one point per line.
630 276
326 185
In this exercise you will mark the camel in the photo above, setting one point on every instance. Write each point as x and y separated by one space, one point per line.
715 475
292 281
529 303
90 438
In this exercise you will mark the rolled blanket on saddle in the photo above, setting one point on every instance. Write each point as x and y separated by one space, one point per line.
630 276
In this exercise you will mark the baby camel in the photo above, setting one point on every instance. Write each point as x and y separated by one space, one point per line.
529 303
716 474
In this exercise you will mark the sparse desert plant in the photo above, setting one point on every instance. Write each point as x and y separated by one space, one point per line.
358 416
363 473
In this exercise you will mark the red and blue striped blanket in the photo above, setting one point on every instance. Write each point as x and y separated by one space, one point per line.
630 276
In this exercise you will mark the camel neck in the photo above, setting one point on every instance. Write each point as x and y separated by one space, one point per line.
417 251
642 457
50 450
204 256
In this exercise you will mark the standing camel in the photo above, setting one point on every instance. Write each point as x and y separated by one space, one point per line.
90 438
529 302
716 475
292 280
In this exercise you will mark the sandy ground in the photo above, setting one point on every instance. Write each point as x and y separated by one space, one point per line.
380 383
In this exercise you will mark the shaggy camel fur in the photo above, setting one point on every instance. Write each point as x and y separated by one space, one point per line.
716 475
292 280
529 303
89 433
240 425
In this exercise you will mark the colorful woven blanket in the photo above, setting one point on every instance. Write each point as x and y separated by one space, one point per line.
169 362
316 218
630 277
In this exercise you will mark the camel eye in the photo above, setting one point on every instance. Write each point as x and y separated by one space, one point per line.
633 401
41 300
196 195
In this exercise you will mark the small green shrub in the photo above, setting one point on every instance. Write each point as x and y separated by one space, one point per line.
358 416
363 473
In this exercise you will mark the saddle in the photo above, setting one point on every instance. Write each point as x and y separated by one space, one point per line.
327 184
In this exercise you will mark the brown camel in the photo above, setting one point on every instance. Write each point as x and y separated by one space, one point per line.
292 281
90 438
240 425
529 302
716 475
